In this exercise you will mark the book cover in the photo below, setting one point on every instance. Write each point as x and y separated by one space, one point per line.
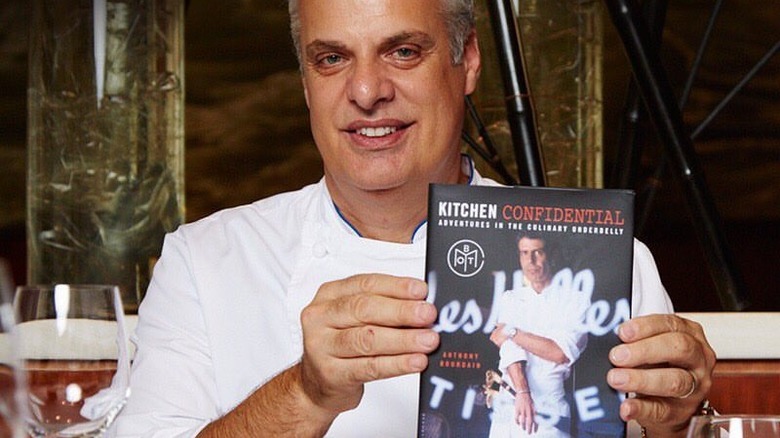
530 285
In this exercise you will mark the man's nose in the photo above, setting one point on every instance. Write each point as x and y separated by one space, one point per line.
369 85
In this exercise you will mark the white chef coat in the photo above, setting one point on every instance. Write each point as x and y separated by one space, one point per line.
556 314
221 315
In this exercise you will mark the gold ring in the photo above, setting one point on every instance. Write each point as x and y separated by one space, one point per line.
693 385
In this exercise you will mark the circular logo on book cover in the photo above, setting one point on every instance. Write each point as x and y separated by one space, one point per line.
465 258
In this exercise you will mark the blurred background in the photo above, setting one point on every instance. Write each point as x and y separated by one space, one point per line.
247 135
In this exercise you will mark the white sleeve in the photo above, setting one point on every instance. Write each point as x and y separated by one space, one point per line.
504 303
571 335
648 295
510 353
172 384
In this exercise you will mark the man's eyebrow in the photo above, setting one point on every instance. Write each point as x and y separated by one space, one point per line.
320 46
422 39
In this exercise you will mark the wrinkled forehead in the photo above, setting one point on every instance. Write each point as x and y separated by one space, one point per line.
337 20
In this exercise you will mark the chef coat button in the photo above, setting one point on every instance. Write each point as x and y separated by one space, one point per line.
319 250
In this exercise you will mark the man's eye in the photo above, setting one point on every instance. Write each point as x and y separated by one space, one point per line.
331 59
405 52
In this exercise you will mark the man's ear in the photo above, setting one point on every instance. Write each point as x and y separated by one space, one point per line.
472 62
305 91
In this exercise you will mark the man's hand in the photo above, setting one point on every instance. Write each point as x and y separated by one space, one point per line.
667 361
356 330
360 329
525 414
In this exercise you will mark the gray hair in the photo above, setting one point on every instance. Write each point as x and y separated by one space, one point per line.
459 15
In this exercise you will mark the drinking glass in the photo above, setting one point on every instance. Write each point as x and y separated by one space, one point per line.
11 384
12 388
73 353
735 426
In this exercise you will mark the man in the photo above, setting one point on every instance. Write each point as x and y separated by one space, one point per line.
304 314
540 336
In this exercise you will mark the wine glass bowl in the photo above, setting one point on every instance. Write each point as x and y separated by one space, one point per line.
11 382
735 426
73 353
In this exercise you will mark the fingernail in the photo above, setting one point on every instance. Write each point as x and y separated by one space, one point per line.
425 311
617 378
620 354
418 362
627 331
428 339
625 412
419 289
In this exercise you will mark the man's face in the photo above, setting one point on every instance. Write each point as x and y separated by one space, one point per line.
385 100
533 260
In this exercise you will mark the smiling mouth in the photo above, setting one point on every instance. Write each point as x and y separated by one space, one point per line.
380 131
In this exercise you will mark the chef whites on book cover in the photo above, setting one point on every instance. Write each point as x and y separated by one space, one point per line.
530 284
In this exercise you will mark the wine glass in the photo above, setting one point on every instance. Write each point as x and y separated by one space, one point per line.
73 353
11 383
735 426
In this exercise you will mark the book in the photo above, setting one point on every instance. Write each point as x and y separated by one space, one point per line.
530 285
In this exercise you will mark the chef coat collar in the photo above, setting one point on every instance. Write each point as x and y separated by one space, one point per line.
421 231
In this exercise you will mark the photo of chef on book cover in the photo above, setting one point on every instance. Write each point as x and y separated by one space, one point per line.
530 284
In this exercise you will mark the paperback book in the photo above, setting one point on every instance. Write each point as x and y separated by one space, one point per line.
530 285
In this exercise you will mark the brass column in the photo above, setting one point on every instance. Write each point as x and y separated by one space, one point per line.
105 140
562 42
